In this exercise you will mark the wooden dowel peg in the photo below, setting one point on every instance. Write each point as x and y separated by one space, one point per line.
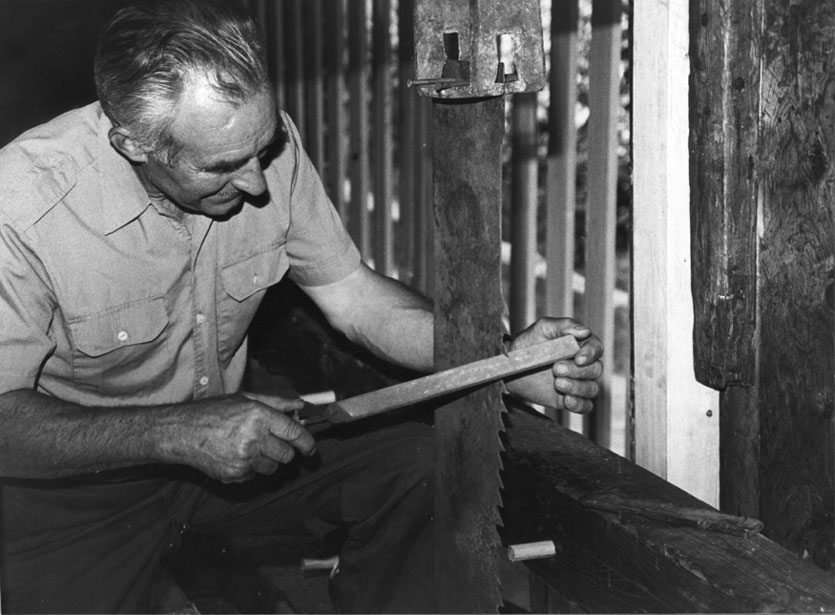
328 563
531 550
319 398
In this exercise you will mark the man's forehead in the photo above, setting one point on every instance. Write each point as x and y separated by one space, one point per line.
208 123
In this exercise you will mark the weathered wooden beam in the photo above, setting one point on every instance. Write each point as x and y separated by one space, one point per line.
467 139
724 107
651 556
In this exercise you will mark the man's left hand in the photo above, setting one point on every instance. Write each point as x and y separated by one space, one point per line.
569 384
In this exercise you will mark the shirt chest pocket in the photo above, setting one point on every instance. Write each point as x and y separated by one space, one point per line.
244 284
120 350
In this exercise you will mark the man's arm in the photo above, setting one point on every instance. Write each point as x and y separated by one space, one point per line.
381 314
397 323
228 438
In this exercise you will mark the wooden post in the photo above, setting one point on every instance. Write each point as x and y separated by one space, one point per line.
763 234
468 308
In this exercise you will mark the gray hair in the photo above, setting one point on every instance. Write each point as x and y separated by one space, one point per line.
147 51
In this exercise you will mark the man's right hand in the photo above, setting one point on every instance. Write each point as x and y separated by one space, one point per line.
233 438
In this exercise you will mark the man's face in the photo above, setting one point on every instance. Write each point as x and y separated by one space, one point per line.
222 147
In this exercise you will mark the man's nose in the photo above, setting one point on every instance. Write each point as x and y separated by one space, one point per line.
250 178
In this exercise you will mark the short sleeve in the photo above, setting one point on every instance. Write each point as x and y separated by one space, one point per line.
26 310
318 246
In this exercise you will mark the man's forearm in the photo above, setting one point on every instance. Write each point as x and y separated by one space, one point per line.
230 438
43 437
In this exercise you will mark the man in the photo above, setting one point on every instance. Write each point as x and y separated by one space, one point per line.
137 238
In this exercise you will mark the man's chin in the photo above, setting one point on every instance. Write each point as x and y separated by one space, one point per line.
223 209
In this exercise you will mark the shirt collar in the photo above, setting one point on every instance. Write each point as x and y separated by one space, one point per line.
123 198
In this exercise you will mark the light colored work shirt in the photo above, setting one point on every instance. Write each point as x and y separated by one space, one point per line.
107 299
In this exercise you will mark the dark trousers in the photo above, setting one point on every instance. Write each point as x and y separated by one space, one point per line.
89 546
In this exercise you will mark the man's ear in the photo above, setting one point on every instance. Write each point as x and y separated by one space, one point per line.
127 145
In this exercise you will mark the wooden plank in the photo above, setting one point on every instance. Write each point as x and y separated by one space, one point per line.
523 210
382 146
794 387
467 140
561 178
358 219
612 562
676 419
604 102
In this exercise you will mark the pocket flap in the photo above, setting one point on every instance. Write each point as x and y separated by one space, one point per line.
125 325
244 279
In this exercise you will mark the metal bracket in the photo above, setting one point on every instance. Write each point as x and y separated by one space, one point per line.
478 48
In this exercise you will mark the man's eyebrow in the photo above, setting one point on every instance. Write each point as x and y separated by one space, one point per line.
227 166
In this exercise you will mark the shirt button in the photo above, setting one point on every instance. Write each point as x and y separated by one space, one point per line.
200 319
204 381
122 336
255 280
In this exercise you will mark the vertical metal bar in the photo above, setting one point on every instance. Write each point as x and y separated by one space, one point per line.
604 100
425 241
523 209
468 309
560 194
314 80
358 219
278 56
295 49
560 191
382 137
335 87
406 235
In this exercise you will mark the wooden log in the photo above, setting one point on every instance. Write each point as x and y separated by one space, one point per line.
467 140
610 561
